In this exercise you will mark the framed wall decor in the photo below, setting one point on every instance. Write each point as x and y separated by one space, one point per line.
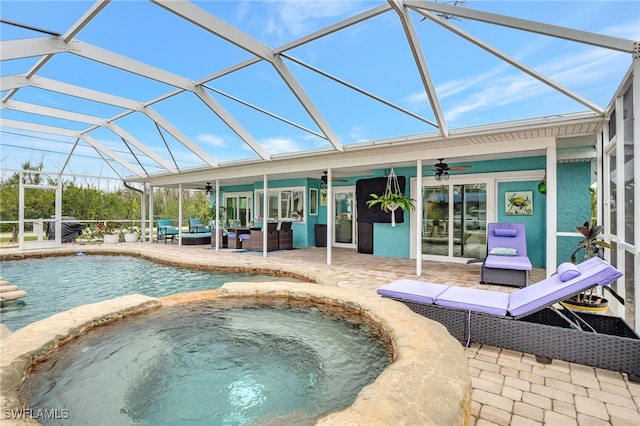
323 197
518 203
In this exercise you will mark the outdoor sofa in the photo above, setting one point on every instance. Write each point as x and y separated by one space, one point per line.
529 319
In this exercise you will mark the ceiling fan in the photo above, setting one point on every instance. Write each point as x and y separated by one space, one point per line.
325 178
442 169
208 188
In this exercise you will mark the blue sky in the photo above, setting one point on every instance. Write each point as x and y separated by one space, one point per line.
474 87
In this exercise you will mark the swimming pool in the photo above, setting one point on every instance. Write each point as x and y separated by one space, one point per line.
55 284
198 364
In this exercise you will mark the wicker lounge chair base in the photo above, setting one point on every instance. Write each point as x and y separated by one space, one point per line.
545 334
529 319
511 277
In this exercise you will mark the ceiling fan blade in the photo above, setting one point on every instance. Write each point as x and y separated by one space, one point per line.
459 168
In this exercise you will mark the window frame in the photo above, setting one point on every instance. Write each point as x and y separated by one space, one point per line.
293 196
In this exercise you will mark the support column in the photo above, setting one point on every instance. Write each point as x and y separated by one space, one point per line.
217 218
265 215
179 214
418 218
150 213
636 182
552 209
143 213
330 209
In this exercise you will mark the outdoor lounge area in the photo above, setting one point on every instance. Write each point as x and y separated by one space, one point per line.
560 392
503 150
524 319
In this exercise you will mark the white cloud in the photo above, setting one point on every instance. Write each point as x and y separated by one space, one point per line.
357 134
279 145
297 17
212 140
629 30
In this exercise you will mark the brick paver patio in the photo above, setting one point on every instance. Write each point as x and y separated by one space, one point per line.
509 388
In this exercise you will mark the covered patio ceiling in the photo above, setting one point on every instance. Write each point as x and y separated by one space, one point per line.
189 92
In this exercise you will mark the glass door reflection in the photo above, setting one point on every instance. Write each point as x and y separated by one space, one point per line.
469 221
435 220
458 228
344 221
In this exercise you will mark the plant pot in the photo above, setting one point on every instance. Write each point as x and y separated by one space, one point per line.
111 239
131 238
587 303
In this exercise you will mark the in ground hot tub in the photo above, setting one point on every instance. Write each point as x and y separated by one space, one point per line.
426 383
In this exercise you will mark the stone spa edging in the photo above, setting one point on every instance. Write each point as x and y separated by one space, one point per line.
427 382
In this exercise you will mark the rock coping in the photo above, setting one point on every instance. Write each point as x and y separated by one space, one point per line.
427 382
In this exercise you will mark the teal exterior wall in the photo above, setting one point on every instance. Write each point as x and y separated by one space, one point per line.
395 241
535 224
574 180
574 205
391 241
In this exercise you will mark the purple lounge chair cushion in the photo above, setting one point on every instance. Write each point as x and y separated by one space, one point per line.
505 232
415 291
472 299
521 302
516 237
520 263
551 290
567 271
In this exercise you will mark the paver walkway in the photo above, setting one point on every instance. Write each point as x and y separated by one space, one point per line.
509 388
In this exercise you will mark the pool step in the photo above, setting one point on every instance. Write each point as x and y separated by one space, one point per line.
9 292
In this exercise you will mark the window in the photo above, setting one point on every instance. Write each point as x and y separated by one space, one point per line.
238 207
284 203
313 201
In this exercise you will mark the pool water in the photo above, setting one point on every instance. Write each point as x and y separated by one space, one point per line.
200 365
55 284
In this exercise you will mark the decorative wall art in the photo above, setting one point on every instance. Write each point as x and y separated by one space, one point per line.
323 197
519 203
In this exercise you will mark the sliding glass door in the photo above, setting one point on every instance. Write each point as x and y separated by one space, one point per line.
344 220
238 207
454 220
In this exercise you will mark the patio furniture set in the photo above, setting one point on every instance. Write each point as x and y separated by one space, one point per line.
279 237
232 234
532 319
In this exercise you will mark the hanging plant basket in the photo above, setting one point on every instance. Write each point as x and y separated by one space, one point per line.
392 199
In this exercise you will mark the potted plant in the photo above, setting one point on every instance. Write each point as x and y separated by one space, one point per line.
131 234
592 246
106 231
212 215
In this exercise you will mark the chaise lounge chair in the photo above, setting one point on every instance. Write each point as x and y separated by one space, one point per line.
526 320
196 226
506 262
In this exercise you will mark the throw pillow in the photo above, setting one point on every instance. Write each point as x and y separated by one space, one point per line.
503 251
568 271
505 232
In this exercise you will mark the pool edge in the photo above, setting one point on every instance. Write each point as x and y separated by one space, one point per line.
428 382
